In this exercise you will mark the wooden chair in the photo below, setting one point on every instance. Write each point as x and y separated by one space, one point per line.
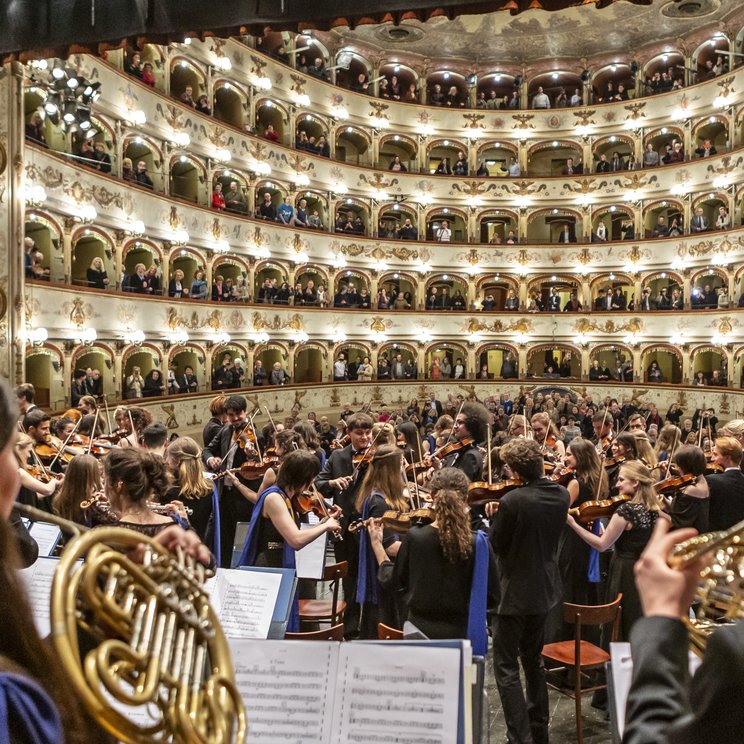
386 633
334 633
582 656
326 610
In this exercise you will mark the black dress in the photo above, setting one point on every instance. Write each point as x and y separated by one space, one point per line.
201 509
628 549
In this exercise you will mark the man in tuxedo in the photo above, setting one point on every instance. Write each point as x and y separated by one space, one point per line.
445 301
24 395
340 480
554 301
525 531
617 163
600 303
726 488
664 706
187 382
221 454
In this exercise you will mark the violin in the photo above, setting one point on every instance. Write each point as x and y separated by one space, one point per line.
441 453
114 436
482 492
362 459
612 461
398 522
562 477
590 511
339 443
670 486
245 438
42 475
312 501
252 468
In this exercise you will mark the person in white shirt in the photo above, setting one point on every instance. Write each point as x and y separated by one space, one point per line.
339 368
541 100
514 170
135 383
722 221
601 232
444 234
576 99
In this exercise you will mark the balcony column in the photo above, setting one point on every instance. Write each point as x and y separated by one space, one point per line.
119 236
686 365
687 289
585 294
585 363
522 362
638 372
69 224
522 293
471 365
729 351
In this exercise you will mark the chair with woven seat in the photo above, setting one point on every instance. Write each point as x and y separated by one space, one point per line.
326 610
386 633
334 633
581 656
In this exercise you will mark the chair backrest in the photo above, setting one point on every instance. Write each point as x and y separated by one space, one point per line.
335 633
386 633
578 615
336 571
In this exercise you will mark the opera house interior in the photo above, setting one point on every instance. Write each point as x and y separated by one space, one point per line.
498 230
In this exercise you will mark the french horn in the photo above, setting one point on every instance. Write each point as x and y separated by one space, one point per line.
721 588
139 641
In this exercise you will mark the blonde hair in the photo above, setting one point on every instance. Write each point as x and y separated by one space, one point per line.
729 447
383 433
95 261
734 428
644 449
384 475
645 493
185 454
22 440
668 437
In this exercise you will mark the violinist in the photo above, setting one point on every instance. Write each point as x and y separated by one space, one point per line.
340 481
274 533
690 504
25 394
726 488
37 425
622 449
223 453
602 422
34 491
472 424
83 481
546 435
735 429
309 436
87 407
629 529
216 420
446 573
131 422
409 441
517 426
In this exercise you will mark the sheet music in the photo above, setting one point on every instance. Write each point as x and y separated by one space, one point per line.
46 536
287 687
244 601
38 582
310 560
411 694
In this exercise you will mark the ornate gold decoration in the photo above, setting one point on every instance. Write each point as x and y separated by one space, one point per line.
726 85
725 325
335 400
173 115
634 181
213 320
258 66
380 325
378 181
469 392
523 188
297 405
522 325
473 188
78 311
298 84
475 121
635 110
585 325
724 406
378 252
584 117
583 186
524 121
171 422
297 163
728 166
378 109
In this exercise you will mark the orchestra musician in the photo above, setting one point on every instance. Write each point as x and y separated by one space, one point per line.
471 423
726 488
131 421
340 481
546 435
525 532
82 482
602 423
690 504
35 488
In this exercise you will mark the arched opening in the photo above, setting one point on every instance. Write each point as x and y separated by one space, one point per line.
665 290
495 89
710 60
316 209
401 83
394 146
393 217
706 210
496 224
496 157
608 223
97 358
352 146
234 189
493 291
402 360
448 89
311 133
552 293
187 261
707 286
229 104
554 361
617 360
664 72
612 292
354 72
396 285
229 355
270 355
50 129
552 158
443 358
709 366
548 226
140 252
271 121
269 276
612 83
710 136
139 150
663 219
276 194
91 250
234 273
45 370
455 220
446 292
618 152
50 264
309 279
663 141
662 364
146 358
188 363
558 86
497 362
154 55
186 80
305 60
309 363
351 290
187 179
442 155
352 218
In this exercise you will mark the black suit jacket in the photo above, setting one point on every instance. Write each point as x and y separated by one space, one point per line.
524 535
664 707
340 463
726 499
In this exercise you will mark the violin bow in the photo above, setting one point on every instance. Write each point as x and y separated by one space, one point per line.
131 423
255 437
600 449
271 420
237 439
108 418
357 466
61 449
93 430
452 430
35 455
415 481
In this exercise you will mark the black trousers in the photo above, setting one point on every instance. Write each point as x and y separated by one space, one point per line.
515 638
234 508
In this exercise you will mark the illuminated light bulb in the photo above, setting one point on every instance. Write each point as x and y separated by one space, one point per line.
223 155
301 179
88 213
135 337
221 338
138 118
88 335
179 336
302 99
136 227
38 335
261 338
222 246
223 63
35 194
182 139
181 237
340 112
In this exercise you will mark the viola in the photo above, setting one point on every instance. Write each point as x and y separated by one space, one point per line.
398 522
245 438
115 436
339 443
482 492
670 486
590 511
362 459
711 468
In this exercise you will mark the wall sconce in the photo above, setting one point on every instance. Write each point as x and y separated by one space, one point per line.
136 228
136 118
87 336
180 237
178 337
181 139
223 63
35 195
87 214
37 336
223 155
135 337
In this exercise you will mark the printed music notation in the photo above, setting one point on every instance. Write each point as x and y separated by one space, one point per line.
37 579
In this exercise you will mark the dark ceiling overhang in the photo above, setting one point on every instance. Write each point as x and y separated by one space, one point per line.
34 28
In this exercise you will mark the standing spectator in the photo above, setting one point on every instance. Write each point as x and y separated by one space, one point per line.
218 198
540 100
199 287
135 384
141 176
278 375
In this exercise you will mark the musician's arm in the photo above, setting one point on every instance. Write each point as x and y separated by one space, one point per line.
603 542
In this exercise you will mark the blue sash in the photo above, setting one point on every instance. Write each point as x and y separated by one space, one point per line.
216 523
250 550
593 571
478 597
27 709
368 588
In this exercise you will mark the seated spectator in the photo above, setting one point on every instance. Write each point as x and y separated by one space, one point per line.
267 210
141 176
453 98
600 234
396 165
218 198
187 97
133 65
569 169
127 171
35 129
234 201
706 150
313 221
148 75
444 168
661 230
317 70
270 134
198 286
698 223
96 274
442 234
461 165
220 290
408 231
650 156
202 106
540 99
436 97
411 95
102 160
361 84
602 165
675 228
176 287
515 171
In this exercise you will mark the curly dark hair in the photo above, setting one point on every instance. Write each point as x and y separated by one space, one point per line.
141 472
449 488
524 458
476 420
